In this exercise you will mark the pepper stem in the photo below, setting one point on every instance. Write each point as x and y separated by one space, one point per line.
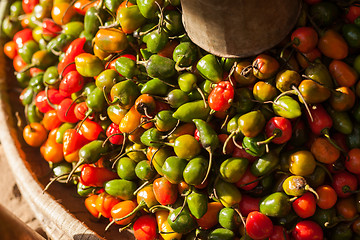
303 99
81 161
310 189
326 133
227 141
209 165
267 141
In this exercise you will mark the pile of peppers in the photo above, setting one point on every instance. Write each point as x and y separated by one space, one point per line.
166 139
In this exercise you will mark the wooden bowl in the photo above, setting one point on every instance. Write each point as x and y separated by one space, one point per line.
239 28
61 212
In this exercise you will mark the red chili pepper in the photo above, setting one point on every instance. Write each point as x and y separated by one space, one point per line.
160 106
90 129
344 183
81 110
241 153
304 39
305 205
35 71
221 96
322 121
73 141
66 112
279 233
29 5
114 129
75 48
95 176
71 83
22 37
145 228
278 129
307 230
248 204
50 28
165 192
43 104
258 225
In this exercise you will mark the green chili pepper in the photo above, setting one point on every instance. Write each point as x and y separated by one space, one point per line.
144 171
210 68
266 163
120 188
228 194
195 171
173 169
160 67
126 168
155 87
125 93
276 204
197 203
228 218
286 107
252 147
181 221
192 110
151 137
185 54
28 49
232 169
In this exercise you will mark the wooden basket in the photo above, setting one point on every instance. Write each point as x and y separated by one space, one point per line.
62 214
239 28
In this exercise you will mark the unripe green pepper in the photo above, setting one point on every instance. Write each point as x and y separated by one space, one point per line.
121 188
126 168
195 170
210 68
276 204
181 222
61 131
228 194
160 67
232 169
192 110
197 203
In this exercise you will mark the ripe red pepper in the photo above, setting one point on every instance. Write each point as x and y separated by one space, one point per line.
73 141
29 5
43 104
145 228
75 48
278 129
165 192
114 129
90 129
322 121
221 96
71 83
96 176
81 110
22 37
50 28
66 112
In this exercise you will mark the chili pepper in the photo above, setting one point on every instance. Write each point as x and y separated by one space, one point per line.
276 205
27 50
61 131
125 93
88 65
149 9
51 120
51 150
221 96
111 40
95 176
173 169
252 145
192 110
71 83
266 163
75 48
302 229
228 194
160 67
155 87
197 204
333 45
232 169
34 134
181 221
164 227
32 113
66 111
126 168
72 143
145 228
251 123
144 171
185 54
91 206
209 67
228 218
59 43
341 121
353 139
344 183
121 188
165 192
258 225
195 171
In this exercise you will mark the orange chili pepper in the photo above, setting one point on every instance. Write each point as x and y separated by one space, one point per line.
51 150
